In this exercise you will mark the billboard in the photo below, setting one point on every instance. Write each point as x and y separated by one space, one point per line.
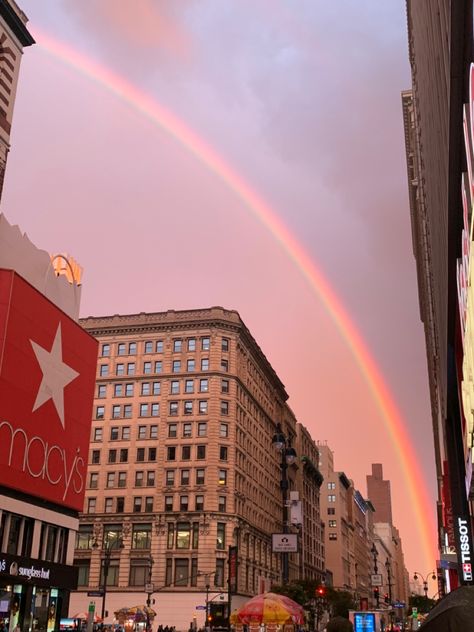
47 376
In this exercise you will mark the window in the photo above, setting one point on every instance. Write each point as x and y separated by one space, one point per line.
185 452
124 455
147 368
170 536
122 479
95 457
139 570
223 452
158 366
205 364
112 456
331 511
126 433
101 390
155 411
174 387
119 369
150 478
223 503
141 536
114 433
222 477
184 477
331 498
224 386
137 504
205 344
177 346
172 430
183 503
168 503
331 485
156 388
143 413
97 434
194 570
203 386
188 407
333 536
169 478
121 349
202 429
183 535
169 572
110 479
100 412
225 344
93 479
181 572
116 412
132 348
131 368
84 539
91 505
201 452
139 479
173 408
191 365
200 476
189 386
203 407
195 536
154 428
103 370
140 454
109 505
191 344
224 407
224 430
128 390
171 453
219 576
118 390
199 503
159 346
220 540
148 348
127 411
332 523
176 366
120 504
152 454
146 388
105 350
224 365
149 504
187 430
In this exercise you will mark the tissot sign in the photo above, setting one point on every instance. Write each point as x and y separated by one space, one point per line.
47 373
464 538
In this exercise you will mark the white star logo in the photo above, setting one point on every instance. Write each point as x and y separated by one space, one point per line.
56 375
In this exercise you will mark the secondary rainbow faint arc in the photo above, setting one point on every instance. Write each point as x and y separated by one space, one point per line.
420 503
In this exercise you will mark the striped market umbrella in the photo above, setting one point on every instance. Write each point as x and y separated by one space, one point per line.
137 613
269 608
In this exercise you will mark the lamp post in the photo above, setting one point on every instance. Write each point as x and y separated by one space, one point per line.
208 585
425 580
109 546
149 591
374 552
389 580
288 456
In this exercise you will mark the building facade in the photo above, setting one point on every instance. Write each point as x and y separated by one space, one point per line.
181 465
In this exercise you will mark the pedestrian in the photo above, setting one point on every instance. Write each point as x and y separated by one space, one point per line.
339 624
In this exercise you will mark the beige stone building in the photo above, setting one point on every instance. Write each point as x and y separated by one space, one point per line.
181 466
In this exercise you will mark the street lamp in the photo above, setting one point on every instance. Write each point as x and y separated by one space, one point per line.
149 591
375 553
109 546
389 579
288 456
425 580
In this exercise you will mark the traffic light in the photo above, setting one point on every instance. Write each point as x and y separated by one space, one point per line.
321 591
209 617
376 593
387 599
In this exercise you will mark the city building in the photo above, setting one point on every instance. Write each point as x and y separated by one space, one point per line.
378 490
438 115
14 36
182 466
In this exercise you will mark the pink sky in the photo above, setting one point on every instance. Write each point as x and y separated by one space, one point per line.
303 99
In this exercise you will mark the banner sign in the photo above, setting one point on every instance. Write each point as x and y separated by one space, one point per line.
284 543
233 570
16 569
47 377
464 542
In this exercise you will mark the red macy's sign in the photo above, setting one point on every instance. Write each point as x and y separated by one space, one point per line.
47 374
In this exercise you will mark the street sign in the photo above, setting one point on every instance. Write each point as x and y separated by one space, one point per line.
149 588
95 593
200 607
284 543
376 580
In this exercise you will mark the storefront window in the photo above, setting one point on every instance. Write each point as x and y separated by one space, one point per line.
141 537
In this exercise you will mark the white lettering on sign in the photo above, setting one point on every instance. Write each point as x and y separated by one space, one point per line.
34 573
465 547
40 460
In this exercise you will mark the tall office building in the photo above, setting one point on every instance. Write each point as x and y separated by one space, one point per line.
181 466
14 36
378 490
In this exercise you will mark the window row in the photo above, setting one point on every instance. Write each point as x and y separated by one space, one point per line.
152 409
154 388
156 367
157 346
145 504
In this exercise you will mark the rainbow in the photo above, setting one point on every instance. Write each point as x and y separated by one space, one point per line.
418 497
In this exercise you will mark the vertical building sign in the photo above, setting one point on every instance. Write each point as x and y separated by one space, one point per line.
233 570
464 543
